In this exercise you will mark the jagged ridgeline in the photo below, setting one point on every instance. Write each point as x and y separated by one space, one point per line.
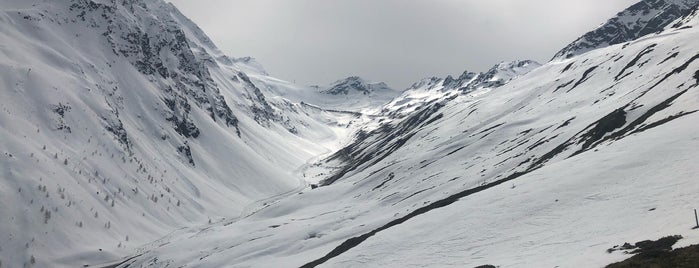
128 138
641 19
521 166
121 121
156 45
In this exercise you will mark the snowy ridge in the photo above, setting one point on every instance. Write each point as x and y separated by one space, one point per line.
249 65
352 94
643 18
551 169
121 122
355 85
129 139
433 89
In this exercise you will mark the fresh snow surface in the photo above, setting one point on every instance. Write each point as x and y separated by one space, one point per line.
352 94
566 161
121 122
127 137
643 18
433 89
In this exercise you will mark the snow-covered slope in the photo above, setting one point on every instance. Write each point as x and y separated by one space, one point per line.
352 94
433 89
643 18
120 121
551 169
304 107
126 135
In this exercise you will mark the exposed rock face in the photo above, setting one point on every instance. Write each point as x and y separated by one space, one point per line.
136 124
643 18
429 90
156 45
354 84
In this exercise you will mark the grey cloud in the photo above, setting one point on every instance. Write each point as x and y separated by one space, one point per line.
396 41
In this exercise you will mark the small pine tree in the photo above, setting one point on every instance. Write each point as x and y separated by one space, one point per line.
47 216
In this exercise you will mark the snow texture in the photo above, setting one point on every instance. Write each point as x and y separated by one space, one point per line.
645 17
128 139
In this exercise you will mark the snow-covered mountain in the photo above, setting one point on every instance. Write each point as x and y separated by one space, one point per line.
355 85
129 140
550 169
121 122
356 94
352 94
433 89
643 18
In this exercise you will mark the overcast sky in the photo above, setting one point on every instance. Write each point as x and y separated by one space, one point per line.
395 41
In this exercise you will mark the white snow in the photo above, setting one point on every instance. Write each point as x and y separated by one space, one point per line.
72 193
565 213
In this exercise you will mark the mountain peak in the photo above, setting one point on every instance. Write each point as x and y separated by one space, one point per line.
425 82
496 76
464 78
642 18
505 71
355 84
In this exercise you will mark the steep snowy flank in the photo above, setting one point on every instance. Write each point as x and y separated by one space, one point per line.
551 169
643 18
120 122
325 119
128 139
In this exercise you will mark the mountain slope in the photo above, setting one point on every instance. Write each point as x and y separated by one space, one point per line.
431 89
127 135
645 17
352 94
551 169
121 121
